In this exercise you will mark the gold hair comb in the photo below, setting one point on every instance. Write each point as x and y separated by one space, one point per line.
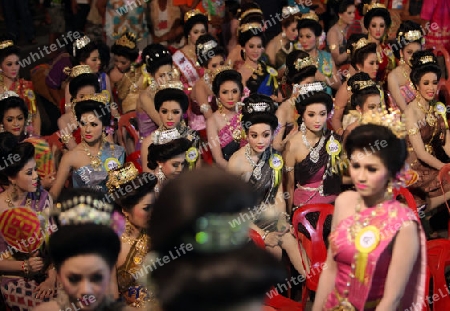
290 10
122 175
393 121
364 84
311 15
80 43
5 44
189 14
124 41
426 59
75 71
219 70
368 7
250 11
249 26
360 44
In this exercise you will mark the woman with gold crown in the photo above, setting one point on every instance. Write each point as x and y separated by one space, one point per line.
428 134
377 21
377 254
409 40
224 127
136 205
185 59
91 159
171 103
262 167
126 74
312 154
10 81
157 70
27 277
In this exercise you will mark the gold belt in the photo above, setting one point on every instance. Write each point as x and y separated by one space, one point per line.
345 305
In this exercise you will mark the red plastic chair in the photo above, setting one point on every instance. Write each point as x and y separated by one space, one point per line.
315 248
277 301
444 84
124 122
135 158
404 192
438 255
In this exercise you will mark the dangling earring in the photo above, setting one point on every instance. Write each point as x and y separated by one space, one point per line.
219 104
128 226
160 175
103 137
2 128
243 54
389 193
303 128
402 61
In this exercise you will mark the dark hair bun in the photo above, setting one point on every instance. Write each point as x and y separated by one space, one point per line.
259 109
171 94
378 12
20 153
294 75
224 76
164 152
155 56
423 62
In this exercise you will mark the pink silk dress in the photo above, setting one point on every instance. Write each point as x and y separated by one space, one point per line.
305 194
366 295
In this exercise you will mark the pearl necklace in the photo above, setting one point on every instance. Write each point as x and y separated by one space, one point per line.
314 151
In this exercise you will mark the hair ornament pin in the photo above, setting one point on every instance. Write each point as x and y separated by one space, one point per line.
127 39
121 175
258 107
5 44
412 35
312 87
80 43
301 63
360 44
426 59
8 94
207 46
250 26
364 84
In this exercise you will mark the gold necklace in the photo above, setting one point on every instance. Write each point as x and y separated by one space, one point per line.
141 244
133 86
235 130
429 116
10 201
96 161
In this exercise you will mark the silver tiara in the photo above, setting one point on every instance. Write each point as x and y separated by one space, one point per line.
258 107
290 10
83 210
80 43
8 94
209 45
312 87
163 137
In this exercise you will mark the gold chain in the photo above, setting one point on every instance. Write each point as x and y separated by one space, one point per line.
10 201
429 117
96 161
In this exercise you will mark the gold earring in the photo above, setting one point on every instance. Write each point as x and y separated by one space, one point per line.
389 192
402 61
128 226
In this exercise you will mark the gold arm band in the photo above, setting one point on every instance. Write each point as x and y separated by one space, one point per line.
413 131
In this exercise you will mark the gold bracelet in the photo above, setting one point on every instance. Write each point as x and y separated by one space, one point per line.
66 138
413 131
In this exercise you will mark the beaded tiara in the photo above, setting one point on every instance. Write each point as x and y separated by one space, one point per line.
83 210
258 107
393 121
312 87
301 63
125 41
121 175
75 71
8 94
80 43
163 137
5 44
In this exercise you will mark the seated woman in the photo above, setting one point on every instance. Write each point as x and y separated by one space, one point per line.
210 56
365 98
261 166
91 159
409 40
309 32
126 74
10 81
14 119
223 272
171 103
386 271
136 205
311 154
363 59
167 157
84 250
224 127
27 279
300 70
158 66
428 134
284 43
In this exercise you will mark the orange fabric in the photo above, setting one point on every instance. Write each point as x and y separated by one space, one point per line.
189 3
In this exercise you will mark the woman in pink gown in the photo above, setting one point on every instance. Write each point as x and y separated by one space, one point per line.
377 254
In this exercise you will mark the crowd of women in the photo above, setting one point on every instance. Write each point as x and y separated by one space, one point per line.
212 133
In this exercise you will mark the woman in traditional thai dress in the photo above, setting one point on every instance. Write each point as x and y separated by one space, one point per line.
311 155
185 59
309 32
409 40
158 68
363 59
224 127
91 159
171 103
262 167
84 250
136 205
377 21
10 81
300 70
377 254
27 279
337 35
428 135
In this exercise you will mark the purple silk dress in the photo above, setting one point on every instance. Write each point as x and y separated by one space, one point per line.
146 126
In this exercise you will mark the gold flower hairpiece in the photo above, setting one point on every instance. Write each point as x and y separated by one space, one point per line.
360 44
250 11
310 15
301 63
5 44
412 35
189 14
83 210
368 7
80 43
75 71
393 121
121 175
125 41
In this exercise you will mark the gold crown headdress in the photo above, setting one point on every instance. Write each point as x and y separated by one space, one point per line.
250 26
205 47
219 70
125 41
301 63
360 44
189 14
83 210
393 121
310 15
365 84
163 137
75 71
368 7
80 43
290 10
412 35
171 84
426 59
5 44
8 94
250 11
121 175
102 98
